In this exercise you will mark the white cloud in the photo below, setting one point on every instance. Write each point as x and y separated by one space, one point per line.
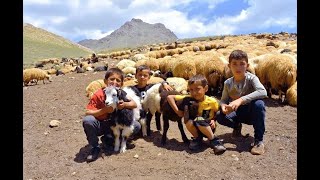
58 19
33 21
26 2
93 34
76 19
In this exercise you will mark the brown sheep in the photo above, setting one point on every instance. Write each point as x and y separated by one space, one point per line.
277 72
36 75
94 86
291 95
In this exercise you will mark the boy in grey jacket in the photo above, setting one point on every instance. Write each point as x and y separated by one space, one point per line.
241 101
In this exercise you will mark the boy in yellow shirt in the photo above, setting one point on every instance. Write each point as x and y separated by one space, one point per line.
201 123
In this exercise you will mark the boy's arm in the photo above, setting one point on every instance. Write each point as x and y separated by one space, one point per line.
259 93
166 86
174 106
128 105
99 112
92 109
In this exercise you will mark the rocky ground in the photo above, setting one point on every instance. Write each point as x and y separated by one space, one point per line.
59 153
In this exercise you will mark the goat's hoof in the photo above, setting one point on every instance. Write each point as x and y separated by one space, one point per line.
116 149
123 150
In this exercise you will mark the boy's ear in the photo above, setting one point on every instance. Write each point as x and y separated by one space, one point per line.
229 65
206 88
248 65
105 81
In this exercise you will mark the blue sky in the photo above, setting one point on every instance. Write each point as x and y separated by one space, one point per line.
94 19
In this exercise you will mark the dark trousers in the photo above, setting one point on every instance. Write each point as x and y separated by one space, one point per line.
252 113
94 128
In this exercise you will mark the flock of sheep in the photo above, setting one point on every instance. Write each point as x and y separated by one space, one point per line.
272 57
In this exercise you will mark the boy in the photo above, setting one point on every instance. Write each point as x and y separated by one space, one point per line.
241 101
202 121
96 122
143 73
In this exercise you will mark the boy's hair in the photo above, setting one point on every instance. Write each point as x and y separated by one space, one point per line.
198 77
238 54
112 71
143 67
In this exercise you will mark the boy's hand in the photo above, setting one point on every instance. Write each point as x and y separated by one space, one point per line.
236 103
167 87
226 109
120 104
180 113
212 124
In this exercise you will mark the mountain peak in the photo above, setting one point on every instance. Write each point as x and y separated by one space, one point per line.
132 34
136 20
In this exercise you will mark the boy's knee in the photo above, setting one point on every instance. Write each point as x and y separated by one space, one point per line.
219 116
136 127
189 123
88 120
259 105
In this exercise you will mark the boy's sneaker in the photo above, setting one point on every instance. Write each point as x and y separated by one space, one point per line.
217 146
94 153
258 148
236 133
195 143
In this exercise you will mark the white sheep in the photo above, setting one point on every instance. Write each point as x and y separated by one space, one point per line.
35 74
179 84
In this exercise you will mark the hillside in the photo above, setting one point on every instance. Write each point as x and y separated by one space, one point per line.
132 34
40 44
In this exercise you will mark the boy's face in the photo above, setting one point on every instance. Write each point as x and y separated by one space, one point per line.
238 67
114 80
197 91
143 77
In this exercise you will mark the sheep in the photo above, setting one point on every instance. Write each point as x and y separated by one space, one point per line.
35 74
291 95
122 120
178 84
129 70
94 86
156 101
101 68
277 72
79 69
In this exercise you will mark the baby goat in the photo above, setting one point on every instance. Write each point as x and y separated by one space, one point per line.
122 120
156 101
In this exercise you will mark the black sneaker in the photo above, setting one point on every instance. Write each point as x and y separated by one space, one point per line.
195 143
94 153
217 146
236 131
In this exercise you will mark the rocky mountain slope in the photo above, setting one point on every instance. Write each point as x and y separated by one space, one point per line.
132 34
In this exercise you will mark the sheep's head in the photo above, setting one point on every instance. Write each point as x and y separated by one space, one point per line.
112 96
49 77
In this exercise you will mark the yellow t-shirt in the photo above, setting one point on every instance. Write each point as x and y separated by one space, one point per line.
207 108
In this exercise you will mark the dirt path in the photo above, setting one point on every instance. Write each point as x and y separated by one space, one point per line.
59 153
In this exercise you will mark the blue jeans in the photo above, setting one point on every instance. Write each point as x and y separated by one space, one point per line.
94 128
251 114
